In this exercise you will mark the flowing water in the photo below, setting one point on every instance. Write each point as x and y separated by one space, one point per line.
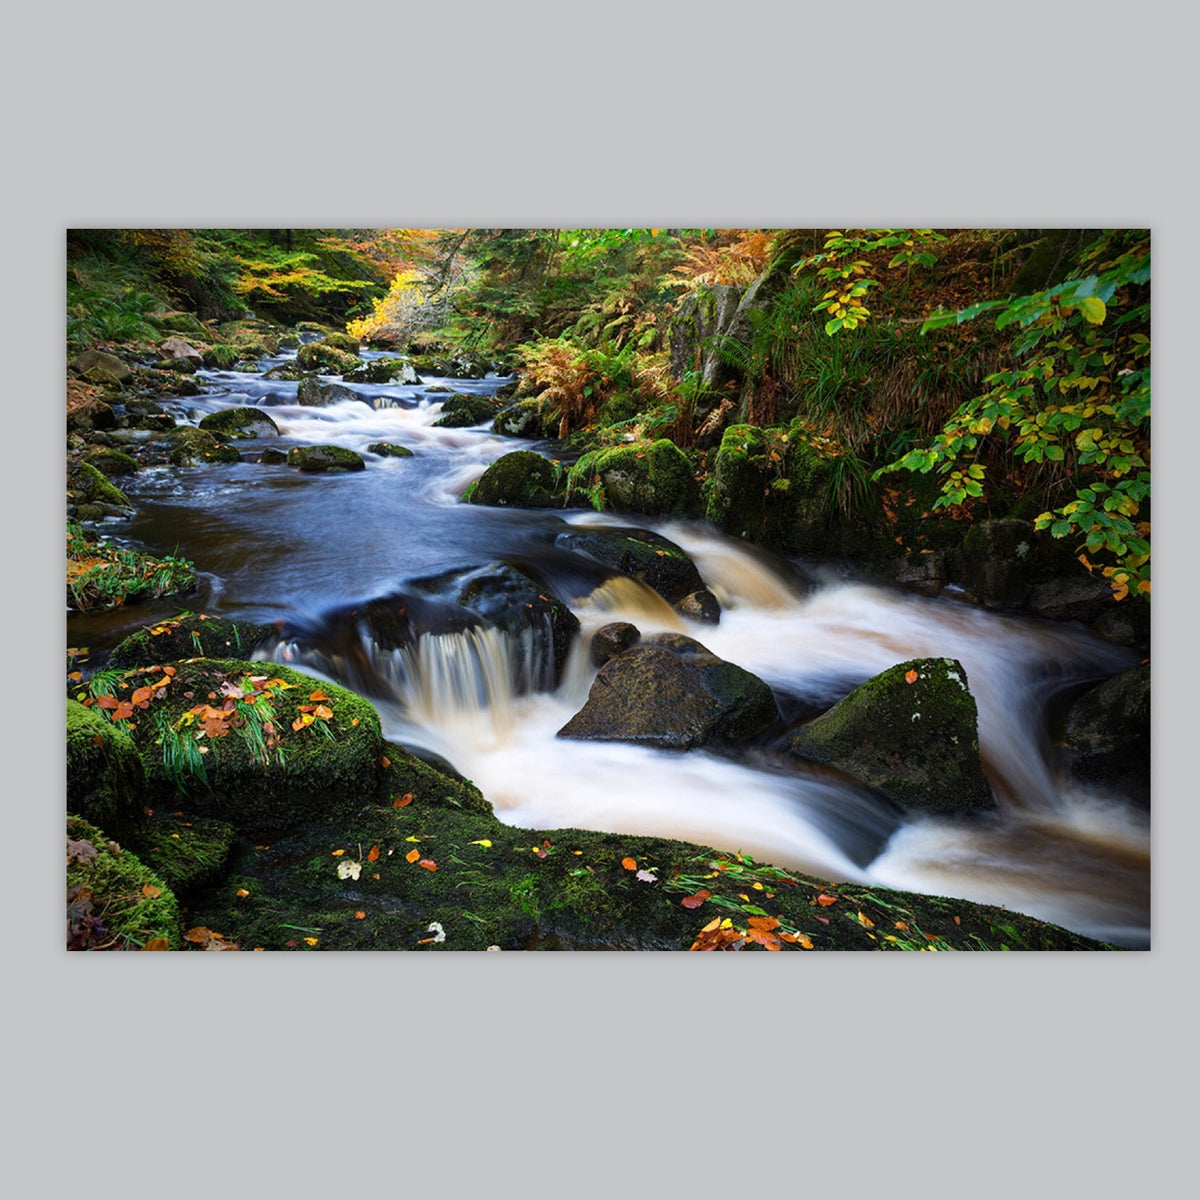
274 545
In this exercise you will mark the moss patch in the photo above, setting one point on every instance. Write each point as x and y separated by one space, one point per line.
190 635
316 460
244 422
654 478
106 782
521 479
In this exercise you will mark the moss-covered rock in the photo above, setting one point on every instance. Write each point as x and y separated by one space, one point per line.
87 485
299 771
341 341
534 419
288 372
90 415
185 851
389 450
115 902
322 357
100 367
238 423
101 576
312 393
1108 732
315 460
463 411
383 370
672 693
190 446
183 322
521 479
105 780
652 478
911 732
111 462
191 635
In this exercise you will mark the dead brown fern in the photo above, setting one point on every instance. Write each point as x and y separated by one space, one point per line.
731 256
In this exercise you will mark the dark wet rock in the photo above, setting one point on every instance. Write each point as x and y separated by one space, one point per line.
654 478
288 372
317 459
182 366
389 450
1126 623
236 423
462 411
521 479
651 559
273 457
611 639
672 693
312 393
911 732
1108 732
92 414
98 366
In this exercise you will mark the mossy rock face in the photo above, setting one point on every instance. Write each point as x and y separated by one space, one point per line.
736 490
383 370
527 419
234 423
111 462
100 367
389 450
652 478
1108 730
672 693
194 635
326 359
312 393
288 372
179 366
114 901
184 851
314 460
190 446
223 356
343 342
647 557
521 479
87 485
183 322
461 412
105 779
305 776
273 457
911 732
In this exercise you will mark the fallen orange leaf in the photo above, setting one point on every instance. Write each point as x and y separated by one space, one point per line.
157 944
428 864
412 856
403 801
630 864
694 901
318 695
373 854
362 916
241 893
910 677
150 891
825 901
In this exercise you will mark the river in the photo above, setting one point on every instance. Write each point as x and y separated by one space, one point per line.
273 545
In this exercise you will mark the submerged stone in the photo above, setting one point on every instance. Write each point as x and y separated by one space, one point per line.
317 459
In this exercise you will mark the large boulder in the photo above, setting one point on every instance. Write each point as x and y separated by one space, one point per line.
177 348
237 423
105 778
90 415
521 479
98 366
1108 732
315 460
672 693
111 462
189 636
191 446
651 478
649 558
261 746
312 393
911 732
88 486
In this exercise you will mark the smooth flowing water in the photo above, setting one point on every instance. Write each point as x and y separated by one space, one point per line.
275 545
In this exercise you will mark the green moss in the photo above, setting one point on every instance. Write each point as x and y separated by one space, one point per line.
244 422
105 779
526 419
521 479
100 576
325 358
651 478
186 852
190 446
316 460
389 450
911 732
189 635
461 412
114 902
330 766
111 462
87 485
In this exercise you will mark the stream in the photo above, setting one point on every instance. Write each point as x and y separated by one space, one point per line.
273 545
